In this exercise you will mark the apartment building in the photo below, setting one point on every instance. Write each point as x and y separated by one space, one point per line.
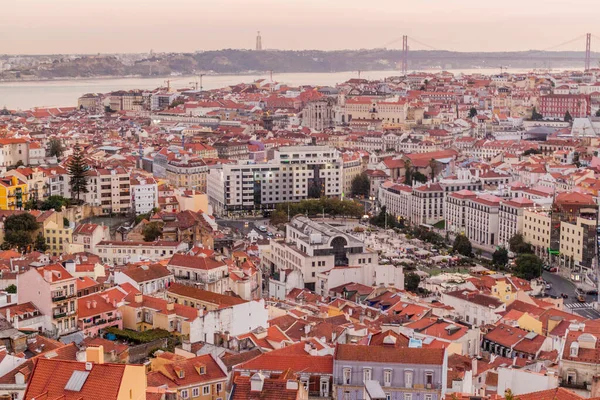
474 307
232 150
536 230
555 106
58 235
396 198
319 114
398 373
145 194
120 253
89 235
110 189
35 178
351 168
147 278
481 219
511 218
91 102
312 247
57 182
427 206
208 273
13 150
52 289
578 242
132 100
187 173
296 173
13 193
455 210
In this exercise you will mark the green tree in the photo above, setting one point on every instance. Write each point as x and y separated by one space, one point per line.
408 172
531 151
54 202
472 112
279 217
361 185
40 243
518 245
419 177
18 231
152 231
568 117
55 148
78 169
11 289
19 164
66 222
528 266
500 256
411 282
462 245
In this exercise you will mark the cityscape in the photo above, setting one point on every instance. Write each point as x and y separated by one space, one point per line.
401 222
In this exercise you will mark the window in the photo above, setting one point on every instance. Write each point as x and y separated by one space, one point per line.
184 394
219 387
407 396
428 380
428 397
366 374
347 375
387 377
206 389
195 392
408 379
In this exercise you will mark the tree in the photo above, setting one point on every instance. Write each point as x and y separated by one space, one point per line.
568 117
361 185
40 243
55 148
472 112
408 172
462 245
18 231
279 217
55 203
152 231
19 164
531 151
411 282
78 169
536 116
528 266
518 245
11 289
500 256
419 177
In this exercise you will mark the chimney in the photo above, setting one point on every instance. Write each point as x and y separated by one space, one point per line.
88 304
139 298
256 382
47 275
94 303
94 355
186 345
170 306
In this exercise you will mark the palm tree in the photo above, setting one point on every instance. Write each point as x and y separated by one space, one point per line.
408 172
432 166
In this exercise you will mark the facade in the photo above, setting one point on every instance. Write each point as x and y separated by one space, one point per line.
52 289
481 217
120 253
555 106
427 206
145 194
351 168
296 173
511 218
14 193
109 189
96 312
232 150
13 150
536 230
208 273
455 210
89 235
312 247
148 279
474 308
58 236
319 114
187 173
401 373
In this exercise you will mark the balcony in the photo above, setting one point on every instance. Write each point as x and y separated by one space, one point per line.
575 385
59 315
60 296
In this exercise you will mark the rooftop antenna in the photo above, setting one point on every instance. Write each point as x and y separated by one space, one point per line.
168 82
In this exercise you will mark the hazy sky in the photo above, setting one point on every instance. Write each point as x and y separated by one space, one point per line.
91 26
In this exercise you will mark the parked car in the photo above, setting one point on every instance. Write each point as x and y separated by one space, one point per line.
564 295
581 298
548 286
553 269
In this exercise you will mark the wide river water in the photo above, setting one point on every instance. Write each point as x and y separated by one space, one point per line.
26 95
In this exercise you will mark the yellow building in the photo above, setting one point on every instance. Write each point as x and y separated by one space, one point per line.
536 230
523 320
13 193
58 236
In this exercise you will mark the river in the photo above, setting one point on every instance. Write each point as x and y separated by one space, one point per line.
26 95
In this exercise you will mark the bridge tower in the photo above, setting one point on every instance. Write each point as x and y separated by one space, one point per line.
588 50
404 55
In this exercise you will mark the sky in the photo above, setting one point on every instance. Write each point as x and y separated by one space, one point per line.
136 26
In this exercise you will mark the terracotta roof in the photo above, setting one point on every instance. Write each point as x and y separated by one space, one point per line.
188 372
49 378
383 354
282 361
220 300
144 273
204 263
558 393
274 388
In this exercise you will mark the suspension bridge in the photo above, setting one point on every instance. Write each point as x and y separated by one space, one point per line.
584 55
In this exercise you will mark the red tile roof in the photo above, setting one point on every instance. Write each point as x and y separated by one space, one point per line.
383 354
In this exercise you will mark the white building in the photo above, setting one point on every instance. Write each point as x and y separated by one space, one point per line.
145 194
474 307
481 220
454 210
147 279
109 189
511 218
296 173
368 275
120 253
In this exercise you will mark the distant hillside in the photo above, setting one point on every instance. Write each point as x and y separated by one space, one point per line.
240 61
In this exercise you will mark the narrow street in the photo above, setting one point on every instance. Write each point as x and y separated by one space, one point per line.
563 285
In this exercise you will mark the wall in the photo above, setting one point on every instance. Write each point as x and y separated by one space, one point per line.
133 384
521 381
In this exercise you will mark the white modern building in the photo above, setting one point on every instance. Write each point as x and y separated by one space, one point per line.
145 194
481 219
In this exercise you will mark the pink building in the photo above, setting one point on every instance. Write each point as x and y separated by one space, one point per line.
52 290
100 310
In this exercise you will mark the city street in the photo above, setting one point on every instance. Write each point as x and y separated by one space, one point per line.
563 285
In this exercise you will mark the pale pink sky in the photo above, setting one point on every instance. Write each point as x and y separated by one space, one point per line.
117 26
